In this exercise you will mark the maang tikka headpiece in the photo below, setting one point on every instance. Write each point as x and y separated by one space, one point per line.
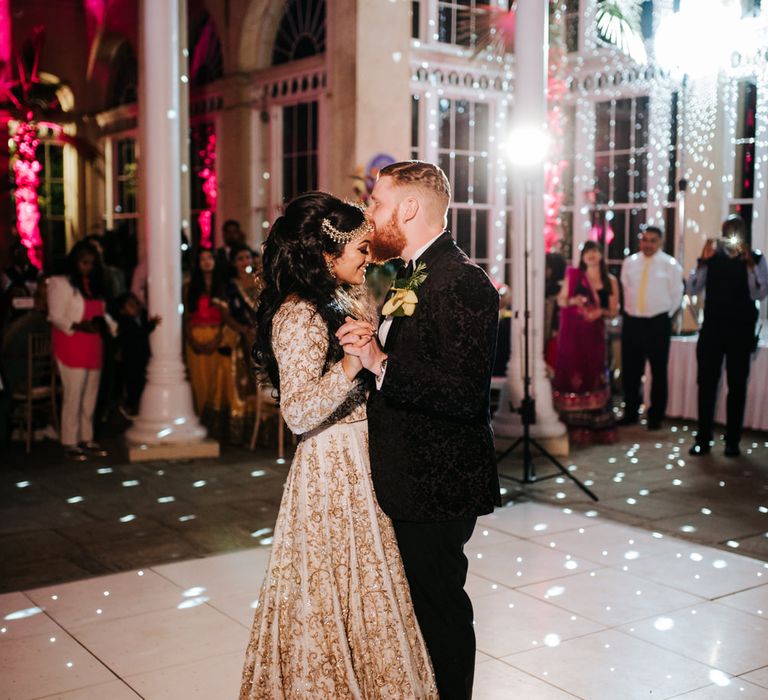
345 237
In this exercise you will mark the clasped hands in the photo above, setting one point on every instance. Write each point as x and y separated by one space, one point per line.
361 347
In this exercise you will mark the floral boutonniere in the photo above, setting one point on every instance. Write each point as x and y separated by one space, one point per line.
402 300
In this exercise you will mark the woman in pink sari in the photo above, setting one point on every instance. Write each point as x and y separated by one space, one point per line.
582 390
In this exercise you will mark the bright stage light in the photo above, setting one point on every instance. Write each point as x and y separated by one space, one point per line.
527 145
697 40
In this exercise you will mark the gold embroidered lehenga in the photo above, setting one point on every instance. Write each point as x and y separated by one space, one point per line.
334 618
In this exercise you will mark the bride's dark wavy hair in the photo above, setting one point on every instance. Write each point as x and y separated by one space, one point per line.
293 265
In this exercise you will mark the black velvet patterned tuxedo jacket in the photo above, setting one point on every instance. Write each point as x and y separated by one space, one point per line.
431 443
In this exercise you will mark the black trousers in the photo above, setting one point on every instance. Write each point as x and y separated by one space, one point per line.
436 569
645 339
735 345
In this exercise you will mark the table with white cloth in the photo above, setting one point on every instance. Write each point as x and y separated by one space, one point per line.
683 390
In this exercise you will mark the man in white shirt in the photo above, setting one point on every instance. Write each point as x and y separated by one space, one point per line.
653 290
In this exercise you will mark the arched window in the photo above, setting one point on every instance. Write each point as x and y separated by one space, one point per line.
301 32
205 58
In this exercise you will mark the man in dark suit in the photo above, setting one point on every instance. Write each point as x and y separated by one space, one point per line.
431 444
733 278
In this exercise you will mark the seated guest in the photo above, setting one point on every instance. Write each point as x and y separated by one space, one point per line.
243 298
733 277
653 290
582 390
17 284
133 329
77 310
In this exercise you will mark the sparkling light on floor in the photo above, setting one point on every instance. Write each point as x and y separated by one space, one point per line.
565 606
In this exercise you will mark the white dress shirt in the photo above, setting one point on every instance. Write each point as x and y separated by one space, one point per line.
664 288
387 322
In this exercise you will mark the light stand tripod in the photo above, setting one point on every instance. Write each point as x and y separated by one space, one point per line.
527 408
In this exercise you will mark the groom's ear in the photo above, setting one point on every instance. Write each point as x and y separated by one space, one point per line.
409 208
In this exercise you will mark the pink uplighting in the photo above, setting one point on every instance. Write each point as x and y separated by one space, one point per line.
25 169
208 175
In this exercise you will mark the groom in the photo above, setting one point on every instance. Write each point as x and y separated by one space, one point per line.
431 444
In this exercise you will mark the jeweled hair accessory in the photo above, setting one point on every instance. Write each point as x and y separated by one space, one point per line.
345 237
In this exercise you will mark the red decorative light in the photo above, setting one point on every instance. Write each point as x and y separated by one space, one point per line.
208 175
25 169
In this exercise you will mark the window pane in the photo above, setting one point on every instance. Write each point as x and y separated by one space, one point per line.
481 233
463 231
56 204
743 177
446 162
55 161
482 126
444 123
445 25
617 245
623 125
621 179
462 125
414 20
302 128
415 122
639 191
480 194
461 178
602 175
641 122
603 119
636 220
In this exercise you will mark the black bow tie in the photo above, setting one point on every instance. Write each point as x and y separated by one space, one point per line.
406 271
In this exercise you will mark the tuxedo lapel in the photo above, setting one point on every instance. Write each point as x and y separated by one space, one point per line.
428 257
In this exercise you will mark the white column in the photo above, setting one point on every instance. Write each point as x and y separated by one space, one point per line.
531 49
166 414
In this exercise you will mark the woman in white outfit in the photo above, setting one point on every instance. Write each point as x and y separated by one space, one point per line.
77 311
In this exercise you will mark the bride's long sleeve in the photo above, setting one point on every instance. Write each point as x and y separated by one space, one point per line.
300 342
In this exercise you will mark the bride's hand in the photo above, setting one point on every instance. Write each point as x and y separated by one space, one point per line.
354 334
351 366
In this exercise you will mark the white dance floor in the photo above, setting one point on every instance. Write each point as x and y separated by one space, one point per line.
565 605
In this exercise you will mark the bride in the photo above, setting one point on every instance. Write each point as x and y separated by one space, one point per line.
334 618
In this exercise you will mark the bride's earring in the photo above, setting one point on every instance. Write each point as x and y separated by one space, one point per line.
329 267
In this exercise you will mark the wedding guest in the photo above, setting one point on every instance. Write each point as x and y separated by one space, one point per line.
114 277
233 236
133 329
204 317
242 296
77 310
733 277
582 390
653 290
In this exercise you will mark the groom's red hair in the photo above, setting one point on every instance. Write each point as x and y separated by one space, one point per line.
427 177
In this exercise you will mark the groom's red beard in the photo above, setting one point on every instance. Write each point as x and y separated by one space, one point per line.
388 241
